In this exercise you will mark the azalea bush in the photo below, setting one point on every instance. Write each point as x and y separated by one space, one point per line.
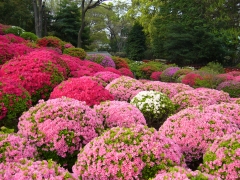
75 52
120 62
223 157
138 152
105 61
50 41
82 89
194 130
231 87
106 76
112 70
119 113
181 72
126 72
14 100
156 76
28 169
168 74
190 79
60 128
14 38
155 106
124 88
93 67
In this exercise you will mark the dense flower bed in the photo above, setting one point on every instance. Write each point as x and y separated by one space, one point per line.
127 153
113 70
60 128
223 157
82 89
92 66
14 100
106 76
28 169
194 130
124 88
119 113
155 106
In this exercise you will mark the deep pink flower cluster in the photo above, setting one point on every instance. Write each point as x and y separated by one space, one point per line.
14 100
126 72
61 126
223 157
124 88
190 79
38 72
194 130
92 66
119 113
13 147
180 173
170 89
82 89
200 97
105 61
167 74
15 39
39 170
68 45
72 63
106 76
4 39
138 152
156 76
113 70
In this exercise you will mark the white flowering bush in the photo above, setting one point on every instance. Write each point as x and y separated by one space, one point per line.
155 106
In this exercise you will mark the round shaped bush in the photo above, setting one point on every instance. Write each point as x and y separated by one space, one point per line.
231 87
14 39
50 41
106 76
190 79
194 130
38 72
14 100
113 70
170 89
167 74
181 72
120 62
105 61
126 72
60 128
156 76
124 88
75 52
28 169
155 106
138 152
223 157
14 147
29 36
200 97
180 173
14 30
119 113
82 89
92 66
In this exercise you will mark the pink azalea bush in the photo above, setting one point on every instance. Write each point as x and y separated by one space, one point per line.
72 64
14 100
106 76
156 76
138 152
105 61
126 72
82 89
180 173
223 157
119 113
38 72
170 89
194 130
124 88
168 74
60 128
14 147
92 66
155 106
113 70
15 39
28 169
199 97
231 87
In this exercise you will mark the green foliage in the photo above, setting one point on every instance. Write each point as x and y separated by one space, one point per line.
14 30
29 36
214 66
76 52
136 45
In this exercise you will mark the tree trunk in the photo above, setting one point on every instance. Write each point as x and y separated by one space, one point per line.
80 32
38 8
40 25
35 9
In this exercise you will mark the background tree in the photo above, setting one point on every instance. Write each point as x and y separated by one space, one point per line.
135 45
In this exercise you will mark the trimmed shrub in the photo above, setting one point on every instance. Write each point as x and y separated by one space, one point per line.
168 74
181 72
126 72
138 152
120 62
105 61
75 52
156 76
106 76
214 66
113 70
190 79
14 30
231 87
50 41
14 38
29 36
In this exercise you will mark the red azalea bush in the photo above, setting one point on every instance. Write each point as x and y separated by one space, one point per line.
14 100
82 89
112 70
181 72
190 79
60 128
105 61
194 130
120 62
72 63
119 113
50 41
222 158
38 72
92 66
126 72
106 76
14 147
124 88
156 76
28 169
138 152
